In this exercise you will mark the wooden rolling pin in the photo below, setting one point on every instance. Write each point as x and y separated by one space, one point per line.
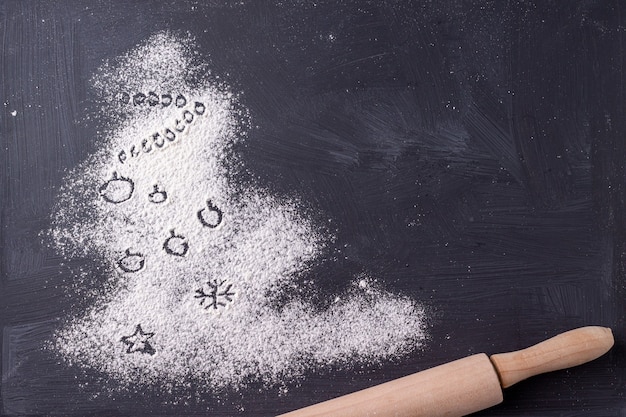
466 385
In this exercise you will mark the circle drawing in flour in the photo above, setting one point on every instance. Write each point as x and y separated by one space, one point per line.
199 108
118 189
139 99
176 244
124 97
153 99
166 100
169 135
181 101
157 196
210 216
131 261
158 139
179 126
146 147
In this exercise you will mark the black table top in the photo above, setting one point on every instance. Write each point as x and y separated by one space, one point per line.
471 155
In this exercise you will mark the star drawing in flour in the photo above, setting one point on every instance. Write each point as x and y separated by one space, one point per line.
139 342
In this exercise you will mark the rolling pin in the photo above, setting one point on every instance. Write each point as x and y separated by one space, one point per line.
466 385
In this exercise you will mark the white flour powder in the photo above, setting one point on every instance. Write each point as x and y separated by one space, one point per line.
194 259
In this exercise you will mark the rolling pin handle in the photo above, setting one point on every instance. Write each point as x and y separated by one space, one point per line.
563 351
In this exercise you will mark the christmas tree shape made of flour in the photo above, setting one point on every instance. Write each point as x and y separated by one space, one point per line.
195 258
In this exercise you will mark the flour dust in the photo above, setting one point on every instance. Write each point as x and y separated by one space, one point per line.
193 258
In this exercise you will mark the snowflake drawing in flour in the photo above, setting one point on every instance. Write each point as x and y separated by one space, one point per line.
166 214
219 294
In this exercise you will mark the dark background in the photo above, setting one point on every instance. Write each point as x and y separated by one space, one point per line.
470 153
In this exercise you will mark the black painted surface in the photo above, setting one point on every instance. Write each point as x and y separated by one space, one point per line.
471 155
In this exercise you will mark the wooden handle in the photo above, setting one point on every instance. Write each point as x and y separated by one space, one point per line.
563 351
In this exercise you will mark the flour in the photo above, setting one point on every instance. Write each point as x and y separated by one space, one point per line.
194 259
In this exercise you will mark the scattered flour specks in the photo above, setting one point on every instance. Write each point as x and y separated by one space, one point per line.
193 257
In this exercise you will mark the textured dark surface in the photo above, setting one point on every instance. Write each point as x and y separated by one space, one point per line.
470 154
